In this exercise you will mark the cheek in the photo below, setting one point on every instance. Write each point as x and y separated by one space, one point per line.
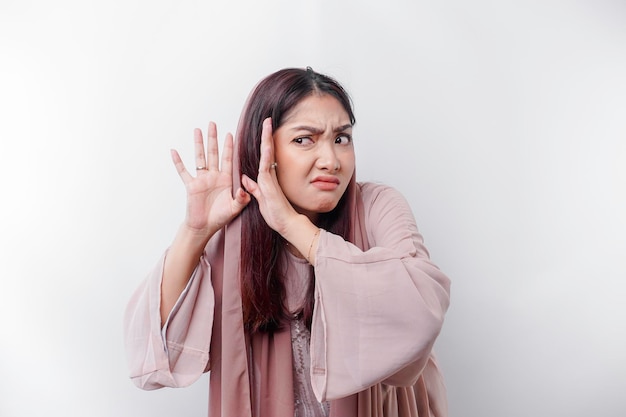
286 180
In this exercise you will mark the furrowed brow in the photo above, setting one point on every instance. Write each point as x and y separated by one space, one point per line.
343 128
317 131
309 129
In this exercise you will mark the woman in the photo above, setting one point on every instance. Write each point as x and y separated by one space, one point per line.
304 292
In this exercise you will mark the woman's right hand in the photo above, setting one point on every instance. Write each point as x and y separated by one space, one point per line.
210 202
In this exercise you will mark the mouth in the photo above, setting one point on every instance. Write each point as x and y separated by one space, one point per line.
325 182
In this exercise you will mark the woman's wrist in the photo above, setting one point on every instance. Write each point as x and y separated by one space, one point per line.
310 257
192 238
303 235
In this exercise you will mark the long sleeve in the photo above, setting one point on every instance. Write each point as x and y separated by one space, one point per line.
377 312
176 354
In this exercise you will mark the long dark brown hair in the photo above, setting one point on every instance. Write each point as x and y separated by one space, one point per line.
262 260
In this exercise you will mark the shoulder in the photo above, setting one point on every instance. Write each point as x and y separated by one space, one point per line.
383 203
376 194
388 217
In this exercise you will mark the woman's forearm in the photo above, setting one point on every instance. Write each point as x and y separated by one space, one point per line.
181 260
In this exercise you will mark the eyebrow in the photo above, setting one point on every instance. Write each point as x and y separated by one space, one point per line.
317 131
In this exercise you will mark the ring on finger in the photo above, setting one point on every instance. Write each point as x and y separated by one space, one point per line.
200 168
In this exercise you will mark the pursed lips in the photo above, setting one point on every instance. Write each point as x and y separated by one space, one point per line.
326 182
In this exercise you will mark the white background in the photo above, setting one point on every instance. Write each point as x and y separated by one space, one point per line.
503 123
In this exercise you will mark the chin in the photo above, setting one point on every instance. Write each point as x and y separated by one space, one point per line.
321 208
328 207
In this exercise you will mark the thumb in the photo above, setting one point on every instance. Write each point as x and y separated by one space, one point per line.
241 200
251 186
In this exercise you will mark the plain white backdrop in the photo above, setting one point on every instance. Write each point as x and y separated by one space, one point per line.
503 123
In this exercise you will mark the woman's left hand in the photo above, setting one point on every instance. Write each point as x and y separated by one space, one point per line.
277 211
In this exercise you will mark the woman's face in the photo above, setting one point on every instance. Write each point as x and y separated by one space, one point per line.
314 153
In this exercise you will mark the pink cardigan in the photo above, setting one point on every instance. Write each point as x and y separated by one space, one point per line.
377 315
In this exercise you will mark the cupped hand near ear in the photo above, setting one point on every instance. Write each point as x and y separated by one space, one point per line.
273 205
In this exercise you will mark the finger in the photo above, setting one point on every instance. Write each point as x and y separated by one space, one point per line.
241 200
198 145
212 148
251 186
227 155
267 146
180 166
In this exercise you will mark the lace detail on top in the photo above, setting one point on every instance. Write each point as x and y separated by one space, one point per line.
305 403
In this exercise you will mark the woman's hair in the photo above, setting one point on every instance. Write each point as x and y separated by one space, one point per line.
262 260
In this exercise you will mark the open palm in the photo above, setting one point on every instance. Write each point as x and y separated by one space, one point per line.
210 202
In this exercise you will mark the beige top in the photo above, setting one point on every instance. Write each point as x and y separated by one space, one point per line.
305 403
363 300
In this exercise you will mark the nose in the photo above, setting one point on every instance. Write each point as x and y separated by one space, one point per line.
327 158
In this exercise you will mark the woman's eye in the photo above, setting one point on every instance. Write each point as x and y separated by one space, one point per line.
343 139
303 140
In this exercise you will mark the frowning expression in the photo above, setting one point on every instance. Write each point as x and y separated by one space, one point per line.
315 155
